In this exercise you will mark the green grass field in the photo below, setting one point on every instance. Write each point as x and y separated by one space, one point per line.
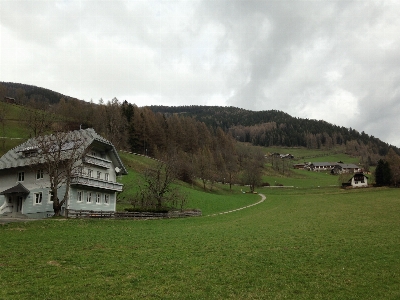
300 243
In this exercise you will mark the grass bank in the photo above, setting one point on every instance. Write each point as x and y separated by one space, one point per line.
298 244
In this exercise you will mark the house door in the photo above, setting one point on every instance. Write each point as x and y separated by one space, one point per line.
16 205
19 204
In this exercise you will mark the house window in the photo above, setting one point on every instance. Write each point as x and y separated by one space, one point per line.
93 153
80 196
98 174
89 197
21 176
38 198
9 199
90 173
98 198
39 174
50 197
106 199
106 176
30 153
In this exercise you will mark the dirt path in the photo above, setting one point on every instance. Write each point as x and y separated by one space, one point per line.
233 210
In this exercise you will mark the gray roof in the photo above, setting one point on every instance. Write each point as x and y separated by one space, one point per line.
323 164
328 164
17 189
348 166
14 158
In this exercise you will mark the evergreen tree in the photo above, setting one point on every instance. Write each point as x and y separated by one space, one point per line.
383 174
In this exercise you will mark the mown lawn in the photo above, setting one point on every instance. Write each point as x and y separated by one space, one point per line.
298 244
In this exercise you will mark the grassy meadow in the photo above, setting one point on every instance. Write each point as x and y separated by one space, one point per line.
300 243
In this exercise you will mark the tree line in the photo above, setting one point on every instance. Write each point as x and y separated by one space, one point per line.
189 130
196 150
276 128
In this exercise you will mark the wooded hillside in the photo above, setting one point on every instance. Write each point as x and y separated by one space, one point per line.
157 129
276 128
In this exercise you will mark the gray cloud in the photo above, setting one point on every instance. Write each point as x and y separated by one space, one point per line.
331 60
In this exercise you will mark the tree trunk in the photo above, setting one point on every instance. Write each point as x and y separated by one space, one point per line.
57 207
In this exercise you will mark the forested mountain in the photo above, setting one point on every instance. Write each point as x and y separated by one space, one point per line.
276 128
155 128
23 93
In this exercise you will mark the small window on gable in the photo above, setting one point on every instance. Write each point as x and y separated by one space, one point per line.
106 176
31 153
38 197
93 153
39 174
98 174
21 176
90 173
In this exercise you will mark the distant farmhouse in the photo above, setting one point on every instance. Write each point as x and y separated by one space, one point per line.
333 167
25 187
9 100
279 155
357 180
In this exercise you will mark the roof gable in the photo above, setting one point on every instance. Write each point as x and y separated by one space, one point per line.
15 157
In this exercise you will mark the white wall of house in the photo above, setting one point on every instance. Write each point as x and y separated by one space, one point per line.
359 183
37 203
81 198
95 189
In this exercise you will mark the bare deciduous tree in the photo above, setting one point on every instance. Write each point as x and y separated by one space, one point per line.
253 169
38 121
60 155
157 190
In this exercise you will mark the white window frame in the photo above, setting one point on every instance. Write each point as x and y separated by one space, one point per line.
107 199
38 198
98 174
39 174
88 197
50 197
21 176
79 196
90 173
106 176
98 198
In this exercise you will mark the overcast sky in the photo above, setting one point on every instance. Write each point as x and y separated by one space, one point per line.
337 61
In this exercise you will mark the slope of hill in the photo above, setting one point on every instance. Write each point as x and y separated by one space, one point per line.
24 92
277 128
263 128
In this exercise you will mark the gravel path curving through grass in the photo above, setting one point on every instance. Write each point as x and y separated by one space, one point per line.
233 210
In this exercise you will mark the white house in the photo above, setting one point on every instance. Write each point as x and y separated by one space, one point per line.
25 188
359 180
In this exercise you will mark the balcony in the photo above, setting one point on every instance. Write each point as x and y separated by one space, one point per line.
96 183
97 161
